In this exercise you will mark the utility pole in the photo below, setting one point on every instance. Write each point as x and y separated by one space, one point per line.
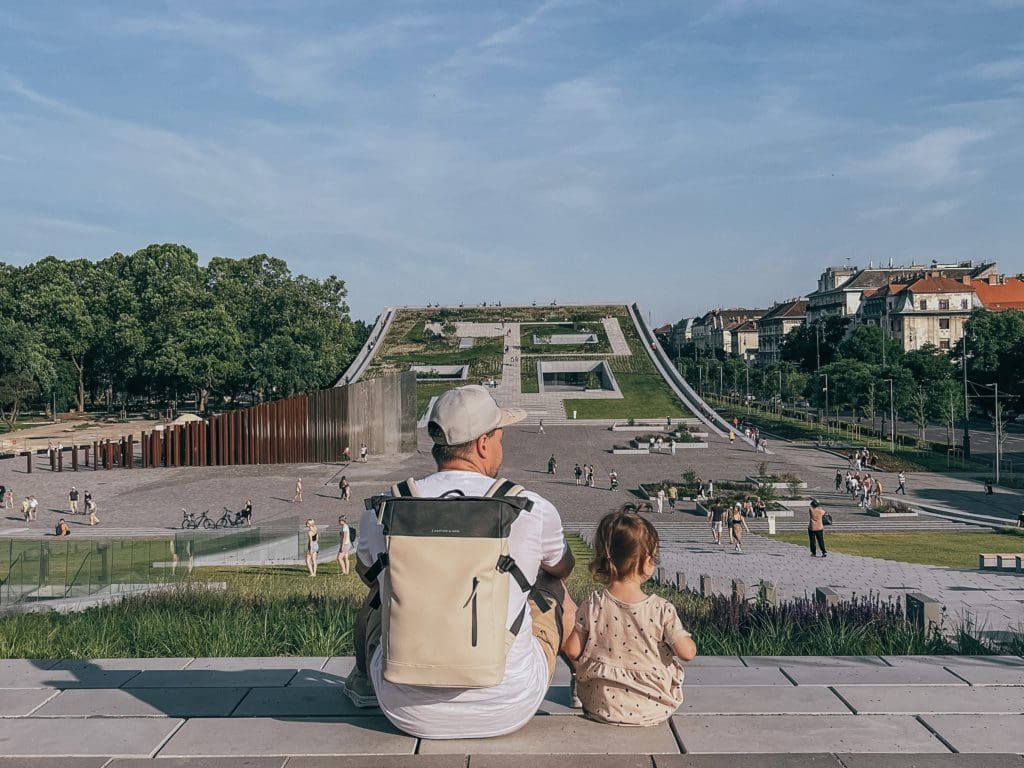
780 390
892 420
826 401
967 406
817 342
999 418
748 387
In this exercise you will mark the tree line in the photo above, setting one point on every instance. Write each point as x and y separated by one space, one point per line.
156 327
858 363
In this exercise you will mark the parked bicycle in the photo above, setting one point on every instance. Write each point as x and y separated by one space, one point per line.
229 519
189 520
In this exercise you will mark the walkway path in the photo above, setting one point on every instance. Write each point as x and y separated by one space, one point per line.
828 712
615 336
995 600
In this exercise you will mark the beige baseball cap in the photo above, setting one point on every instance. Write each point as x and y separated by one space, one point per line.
463 414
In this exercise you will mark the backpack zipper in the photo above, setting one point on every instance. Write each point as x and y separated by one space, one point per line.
472 600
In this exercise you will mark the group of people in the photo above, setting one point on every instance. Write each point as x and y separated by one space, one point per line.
867 490
628 678
345 547
30 505
863 459
725 516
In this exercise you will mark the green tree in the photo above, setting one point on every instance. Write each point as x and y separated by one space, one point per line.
805 345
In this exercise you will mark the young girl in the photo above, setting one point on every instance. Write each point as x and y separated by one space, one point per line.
312 546
345 547
624 640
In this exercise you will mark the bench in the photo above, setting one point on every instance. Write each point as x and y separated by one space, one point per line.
1001 562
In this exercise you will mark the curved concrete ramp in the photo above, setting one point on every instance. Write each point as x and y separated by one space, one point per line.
678 384
369 349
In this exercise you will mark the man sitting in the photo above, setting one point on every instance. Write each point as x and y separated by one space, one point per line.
467 429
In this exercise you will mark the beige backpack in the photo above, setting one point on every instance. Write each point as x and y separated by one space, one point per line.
444 585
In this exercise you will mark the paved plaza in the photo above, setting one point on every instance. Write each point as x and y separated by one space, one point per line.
799 712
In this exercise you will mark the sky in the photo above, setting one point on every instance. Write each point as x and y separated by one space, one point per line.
686 155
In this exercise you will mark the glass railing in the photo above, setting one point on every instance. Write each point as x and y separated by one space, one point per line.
35 571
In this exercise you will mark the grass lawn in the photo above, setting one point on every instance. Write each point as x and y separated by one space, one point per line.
905 458
280 611
953 550
645 396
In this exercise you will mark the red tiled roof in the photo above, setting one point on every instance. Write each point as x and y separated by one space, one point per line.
938 285
795 308
1008 295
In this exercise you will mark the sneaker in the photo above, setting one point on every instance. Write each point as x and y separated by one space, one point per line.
359 689
574 700
824 554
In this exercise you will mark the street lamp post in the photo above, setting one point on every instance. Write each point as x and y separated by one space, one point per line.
826 401
747 371
780 390
967 407
892 418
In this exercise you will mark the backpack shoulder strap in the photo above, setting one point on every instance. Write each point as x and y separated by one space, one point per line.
503 487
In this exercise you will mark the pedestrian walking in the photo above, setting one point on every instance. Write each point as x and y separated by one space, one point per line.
590 475
552 465
902 480
10 499
91 509
345 547
345 488
33 507
839 480
736 527
661 500
364 452
673 495
816 528
732 437
542 426
73 500
578 473
715 523
347 454
24 510
672 446
297 498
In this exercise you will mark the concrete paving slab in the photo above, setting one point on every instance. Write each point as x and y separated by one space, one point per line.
332 672
115 737
748 761
815 661
18 702
905 674
53 762
562 736
980 733
203 737
1001 662
931 761
144 702
211 678
247 663
300 701
718 734
560 761
373 761
740 700
938 699
557 702
991 675
81 675
200 762
721 661
735 676
137 665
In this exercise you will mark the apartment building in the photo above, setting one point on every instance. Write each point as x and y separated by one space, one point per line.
772 328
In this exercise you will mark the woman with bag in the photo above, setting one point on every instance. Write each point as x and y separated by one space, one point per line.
816 528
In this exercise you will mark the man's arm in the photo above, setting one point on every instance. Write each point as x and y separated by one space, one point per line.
563 567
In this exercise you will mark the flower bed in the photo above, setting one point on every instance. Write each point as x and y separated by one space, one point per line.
891 509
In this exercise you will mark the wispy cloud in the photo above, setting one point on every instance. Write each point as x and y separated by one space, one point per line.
1003 69
935 158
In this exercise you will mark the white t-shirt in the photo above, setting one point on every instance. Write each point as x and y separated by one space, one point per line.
450 713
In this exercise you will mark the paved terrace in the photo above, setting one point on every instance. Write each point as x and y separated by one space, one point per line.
852 712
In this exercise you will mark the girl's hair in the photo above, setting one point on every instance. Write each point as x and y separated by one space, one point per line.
311 521
622 545
342 519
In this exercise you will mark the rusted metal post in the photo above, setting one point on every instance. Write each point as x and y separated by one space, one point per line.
130 457
74 457
28 462
60 461
95 455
